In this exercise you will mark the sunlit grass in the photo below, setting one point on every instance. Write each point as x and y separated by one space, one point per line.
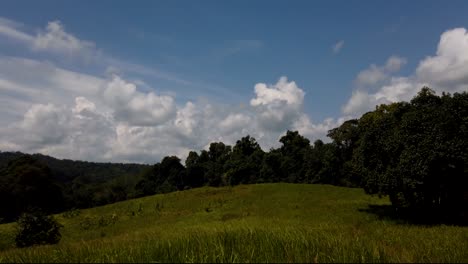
247 223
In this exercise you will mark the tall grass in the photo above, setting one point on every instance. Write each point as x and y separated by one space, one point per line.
254 223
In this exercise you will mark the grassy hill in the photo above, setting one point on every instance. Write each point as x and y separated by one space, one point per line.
245 223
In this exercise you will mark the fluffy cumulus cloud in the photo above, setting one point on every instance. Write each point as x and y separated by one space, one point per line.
137 108
108 117
76 132
47 125
446 71
277 105
234 122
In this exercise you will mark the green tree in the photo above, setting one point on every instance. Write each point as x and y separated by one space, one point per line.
345 139
270 170
195 172
214 162
417 154
26 182
244 164
36 228
293 152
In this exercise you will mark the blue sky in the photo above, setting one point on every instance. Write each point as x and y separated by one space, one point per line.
214 53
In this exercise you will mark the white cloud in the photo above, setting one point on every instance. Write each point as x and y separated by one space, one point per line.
53 39
186 119
69 114
370 76
336 48
47 125
359 102
10 29
111 120
136 108
83 107
79 133
234 122
278 105
376 74
318 130
446 71
281 92
394 63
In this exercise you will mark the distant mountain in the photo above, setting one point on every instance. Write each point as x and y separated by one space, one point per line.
54 185
65 170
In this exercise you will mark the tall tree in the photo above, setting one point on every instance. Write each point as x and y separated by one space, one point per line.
217 156
293 152
245 162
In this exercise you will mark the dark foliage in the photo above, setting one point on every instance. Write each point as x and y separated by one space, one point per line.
417 153
36 228
55 185
25 183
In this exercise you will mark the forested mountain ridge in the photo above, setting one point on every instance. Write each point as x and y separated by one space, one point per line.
54 184
66 170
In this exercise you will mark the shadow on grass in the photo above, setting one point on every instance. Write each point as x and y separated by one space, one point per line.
411 217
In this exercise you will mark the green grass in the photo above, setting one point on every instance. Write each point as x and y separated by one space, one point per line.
247 223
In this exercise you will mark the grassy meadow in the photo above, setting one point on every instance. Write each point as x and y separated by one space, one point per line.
245 223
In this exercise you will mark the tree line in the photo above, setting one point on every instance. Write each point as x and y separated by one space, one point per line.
415 152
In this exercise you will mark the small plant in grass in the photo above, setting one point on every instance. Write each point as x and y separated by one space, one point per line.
36 228
159 207
87 223
71 213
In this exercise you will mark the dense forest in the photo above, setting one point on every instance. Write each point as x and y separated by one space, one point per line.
415 152
54 185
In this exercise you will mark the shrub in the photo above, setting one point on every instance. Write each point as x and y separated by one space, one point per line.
71 213
36 228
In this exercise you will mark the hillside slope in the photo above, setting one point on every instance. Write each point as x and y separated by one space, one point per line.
245 223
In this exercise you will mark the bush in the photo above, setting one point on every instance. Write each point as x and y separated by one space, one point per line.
36 228
71 213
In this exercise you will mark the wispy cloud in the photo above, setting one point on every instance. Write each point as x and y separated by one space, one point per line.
56 40
233 47
336 48
376 74
52 39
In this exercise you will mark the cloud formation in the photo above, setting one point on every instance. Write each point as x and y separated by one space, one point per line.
107 117
277 105
53 39
134 107
336 48
110 119
376 74
446 71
